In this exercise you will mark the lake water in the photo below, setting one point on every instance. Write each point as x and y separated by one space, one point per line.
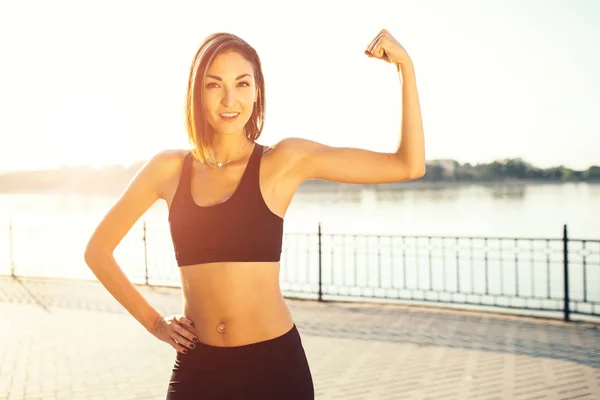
49 232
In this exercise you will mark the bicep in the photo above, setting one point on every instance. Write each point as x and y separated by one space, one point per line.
348 165
140 194
351 165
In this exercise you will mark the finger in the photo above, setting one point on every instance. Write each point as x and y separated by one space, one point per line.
180 349
377 49
181 341
183 328
185 321
184 337
371 45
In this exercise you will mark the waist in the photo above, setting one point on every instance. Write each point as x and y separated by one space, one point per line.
235 304
279 348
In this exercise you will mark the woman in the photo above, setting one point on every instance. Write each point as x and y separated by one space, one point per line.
227 198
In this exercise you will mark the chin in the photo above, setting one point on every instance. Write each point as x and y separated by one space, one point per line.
229 130
226 128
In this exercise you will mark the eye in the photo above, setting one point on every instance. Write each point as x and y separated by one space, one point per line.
246 84
211 85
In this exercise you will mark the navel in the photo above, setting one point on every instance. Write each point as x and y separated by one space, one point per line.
221 327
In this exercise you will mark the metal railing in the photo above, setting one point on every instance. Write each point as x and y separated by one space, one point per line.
538 274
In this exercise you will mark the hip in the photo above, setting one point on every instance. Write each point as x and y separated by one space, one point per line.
271 369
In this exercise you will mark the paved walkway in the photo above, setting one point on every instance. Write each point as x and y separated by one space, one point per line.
72 340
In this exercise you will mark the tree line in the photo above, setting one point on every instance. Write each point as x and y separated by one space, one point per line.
114 179
504 170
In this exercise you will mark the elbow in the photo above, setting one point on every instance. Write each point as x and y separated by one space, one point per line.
410 174
418 173
89 255
92 254
408 171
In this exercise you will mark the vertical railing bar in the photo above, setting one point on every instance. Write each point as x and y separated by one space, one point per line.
417 263
404 263
548 271
343 246
429 257
566 272
392 249
485 263
355 257
368 257
472 267
516 268
501 268
532 268
457 248
320 252
444 270
379 261
583 244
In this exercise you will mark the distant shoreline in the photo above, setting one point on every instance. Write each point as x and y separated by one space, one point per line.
329 187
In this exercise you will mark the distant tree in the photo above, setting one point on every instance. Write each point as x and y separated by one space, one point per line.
592 173
434 173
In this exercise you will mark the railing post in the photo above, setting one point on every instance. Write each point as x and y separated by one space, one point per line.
145 253
566 270
11 249
320 264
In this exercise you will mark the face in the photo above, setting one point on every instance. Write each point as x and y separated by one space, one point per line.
229 93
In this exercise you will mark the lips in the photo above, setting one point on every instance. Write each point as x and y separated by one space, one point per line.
229 117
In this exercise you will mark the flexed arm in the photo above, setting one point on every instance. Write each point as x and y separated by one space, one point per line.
312 160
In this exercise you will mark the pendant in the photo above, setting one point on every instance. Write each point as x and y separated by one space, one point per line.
219 164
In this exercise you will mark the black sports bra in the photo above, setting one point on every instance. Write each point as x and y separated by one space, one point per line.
242 228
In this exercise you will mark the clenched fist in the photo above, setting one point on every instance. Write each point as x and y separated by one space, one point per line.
387 48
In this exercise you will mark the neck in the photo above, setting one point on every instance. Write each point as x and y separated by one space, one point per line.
227 147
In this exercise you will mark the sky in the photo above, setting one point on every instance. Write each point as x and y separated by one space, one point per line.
103 82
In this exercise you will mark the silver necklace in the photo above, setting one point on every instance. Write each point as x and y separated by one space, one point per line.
222 163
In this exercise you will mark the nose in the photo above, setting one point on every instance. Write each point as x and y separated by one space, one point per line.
228 98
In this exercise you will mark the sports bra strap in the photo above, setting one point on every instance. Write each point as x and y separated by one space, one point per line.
250 178
185 181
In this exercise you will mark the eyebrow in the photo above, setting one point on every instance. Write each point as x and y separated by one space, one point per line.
220 79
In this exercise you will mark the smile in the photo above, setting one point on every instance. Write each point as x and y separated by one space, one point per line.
228 117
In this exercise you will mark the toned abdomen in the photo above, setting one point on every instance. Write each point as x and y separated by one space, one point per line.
233 304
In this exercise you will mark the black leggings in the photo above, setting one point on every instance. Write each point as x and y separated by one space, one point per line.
273 369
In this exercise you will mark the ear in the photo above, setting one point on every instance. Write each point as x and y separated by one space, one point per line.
256 94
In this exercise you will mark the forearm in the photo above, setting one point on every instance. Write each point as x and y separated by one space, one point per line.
108 272
411 149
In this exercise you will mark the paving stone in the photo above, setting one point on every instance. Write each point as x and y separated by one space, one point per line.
64 339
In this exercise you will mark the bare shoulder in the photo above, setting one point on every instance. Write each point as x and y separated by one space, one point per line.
163 167
165 161
169 158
